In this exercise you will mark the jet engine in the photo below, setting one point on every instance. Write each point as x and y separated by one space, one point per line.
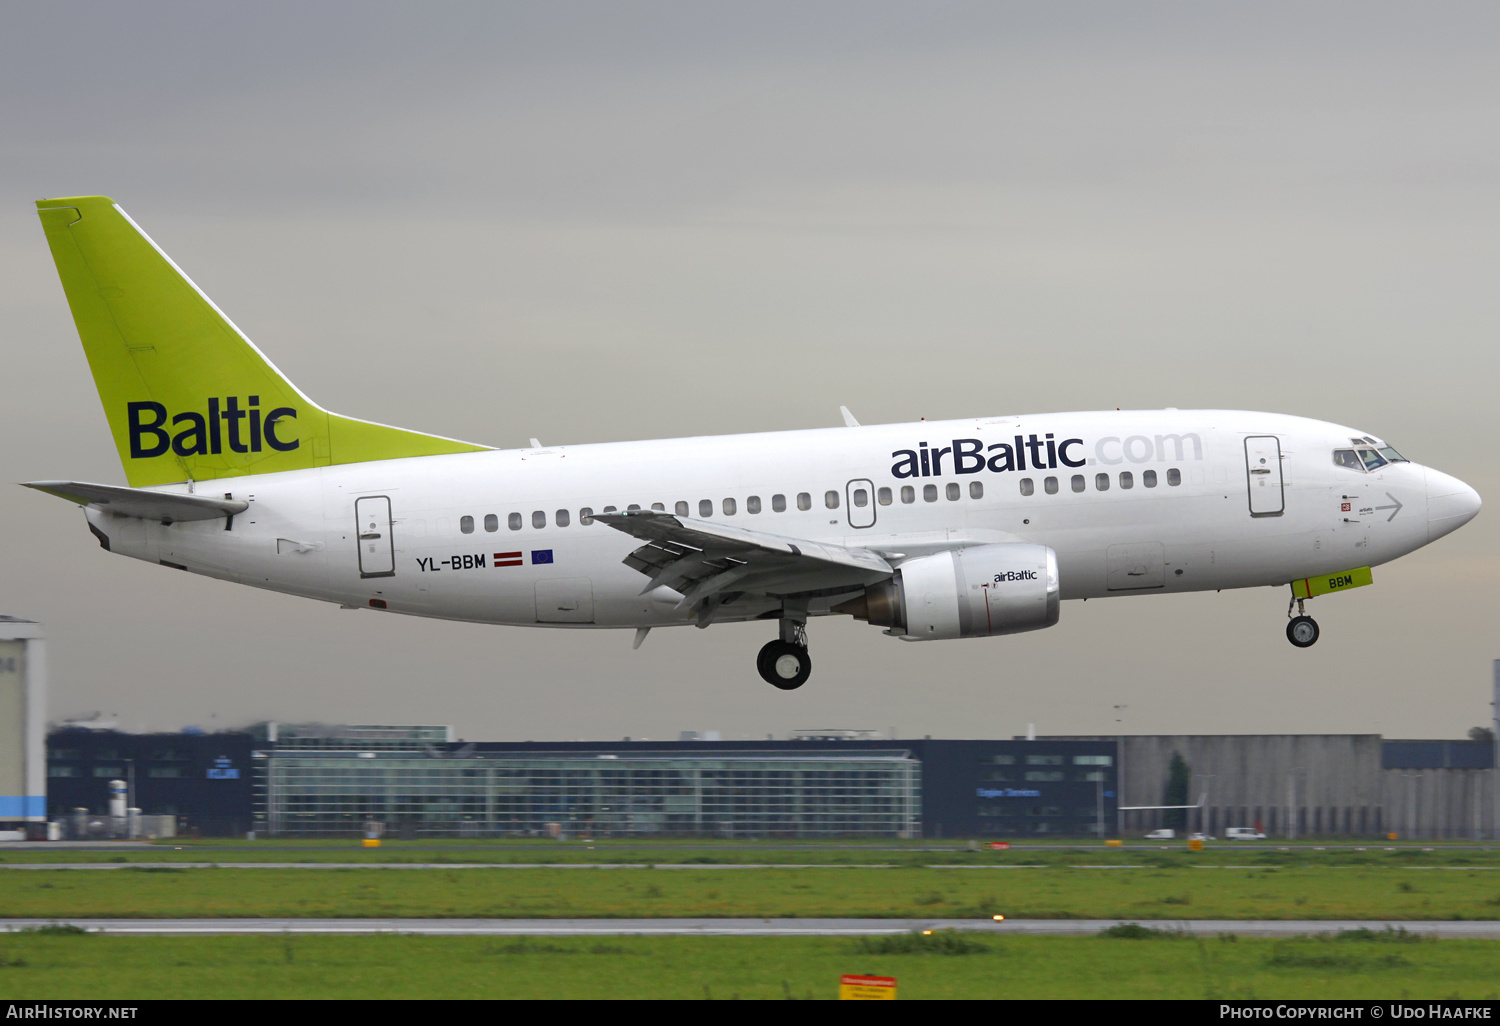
965 593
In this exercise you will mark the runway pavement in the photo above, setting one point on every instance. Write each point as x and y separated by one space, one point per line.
1469 929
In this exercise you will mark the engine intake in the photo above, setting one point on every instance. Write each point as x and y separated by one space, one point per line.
977 592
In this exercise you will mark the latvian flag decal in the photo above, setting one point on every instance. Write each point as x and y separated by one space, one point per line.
517 558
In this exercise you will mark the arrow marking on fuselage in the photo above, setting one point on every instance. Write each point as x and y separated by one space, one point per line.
1396 507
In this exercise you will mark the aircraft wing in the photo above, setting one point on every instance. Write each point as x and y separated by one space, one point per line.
168 507
701 559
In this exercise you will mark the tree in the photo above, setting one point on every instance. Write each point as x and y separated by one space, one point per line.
1484 734
1179 778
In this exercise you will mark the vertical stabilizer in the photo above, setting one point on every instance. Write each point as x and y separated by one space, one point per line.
187 395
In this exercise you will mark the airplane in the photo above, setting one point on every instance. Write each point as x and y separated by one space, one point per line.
935 530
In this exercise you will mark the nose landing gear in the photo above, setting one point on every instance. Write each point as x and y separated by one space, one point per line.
1301 630
784 663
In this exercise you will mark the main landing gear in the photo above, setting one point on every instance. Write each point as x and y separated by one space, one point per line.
784 663
1301 630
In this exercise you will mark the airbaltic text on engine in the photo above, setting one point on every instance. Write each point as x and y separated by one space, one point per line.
1046 453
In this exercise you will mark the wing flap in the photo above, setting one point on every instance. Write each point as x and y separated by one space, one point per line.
168 507
701 559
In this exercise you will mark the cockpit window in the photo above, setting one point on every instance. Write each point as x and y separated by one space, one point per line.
1372 459
1393 455
1347 458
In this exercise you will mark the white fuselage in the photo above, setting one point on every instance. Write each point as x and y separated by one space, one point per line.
452 518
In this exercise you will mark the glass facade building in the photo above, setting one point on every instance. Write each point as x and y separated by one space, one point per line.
624 792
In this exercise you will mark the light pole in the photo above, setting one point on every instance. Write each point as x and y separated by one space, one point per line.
1209 778
1411 778
1119 768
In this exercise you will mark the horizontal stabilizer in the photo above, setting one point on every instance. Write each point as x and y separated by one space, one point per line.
167 507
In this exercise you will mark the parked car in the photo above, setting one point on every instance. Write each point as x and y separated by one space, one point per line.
1243 834
1201 837
1161 835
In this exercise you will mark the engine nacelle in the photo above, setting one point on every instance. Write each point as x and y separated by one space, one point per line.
965 593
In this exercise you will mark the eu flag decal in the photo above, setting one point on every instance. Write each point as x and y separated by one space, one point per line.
541 556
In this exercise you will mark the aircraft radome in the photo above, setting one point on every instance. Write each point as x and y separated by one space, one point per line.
936 530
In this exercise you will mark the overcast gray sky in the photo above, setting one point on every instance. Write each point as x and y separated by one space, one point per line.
599 221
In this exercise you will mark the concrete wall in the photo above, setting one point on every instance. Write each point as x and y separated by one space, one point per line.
1305 785
1287 784
1432 804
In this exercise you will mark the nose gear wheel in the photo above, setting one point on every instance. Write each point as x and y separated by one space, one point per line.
1301 630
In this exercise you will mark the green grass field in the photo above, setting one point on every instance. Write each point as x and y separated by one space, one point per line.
1173 889
47 966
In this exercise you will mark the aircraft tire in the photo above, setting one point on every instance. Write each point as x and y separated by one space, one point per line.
1302 631
784 665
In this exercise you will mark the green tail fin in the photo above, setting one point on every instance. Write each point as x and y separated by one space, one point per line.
187 395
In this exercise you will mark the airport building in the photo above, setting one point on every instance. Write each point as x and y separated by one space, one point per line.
23 719
415 781
201 782
1314 785
316 780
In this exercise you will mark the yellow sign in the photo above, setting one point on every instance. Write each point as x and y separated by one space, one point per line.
1195 845
372 842
1113 844
867 988
1328 583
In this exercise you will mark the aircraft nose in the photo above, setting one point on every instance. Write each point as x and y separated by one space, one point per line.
1450 504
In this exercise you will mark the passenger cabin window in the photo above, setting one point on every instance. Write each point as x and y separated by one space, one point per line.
729 507
1174 477
1127 479
883 496
586 516
539 520
610 509
466 525
804 501
681 509
976 489
831 499
1050 486
1148 478
1346 458
778 503
953 491
562 518
861 498
908 494
929 493
1078 483
632 507
491 522
705 508
514 521
1026 486
1101 482
659 507
752 504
